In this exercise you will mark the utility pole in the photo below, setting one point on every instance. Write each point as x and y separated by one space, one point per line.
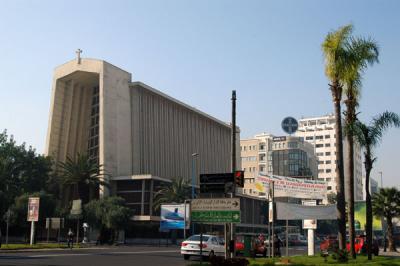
233 130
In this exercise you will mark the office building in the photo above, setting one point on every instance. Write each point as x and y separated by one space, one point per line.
320 132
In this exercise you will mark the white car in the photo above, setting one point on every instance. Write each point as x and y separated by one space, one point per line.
212 246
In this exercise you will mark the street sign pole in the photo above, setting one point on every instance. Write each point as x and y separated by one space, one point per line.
273 214
32 232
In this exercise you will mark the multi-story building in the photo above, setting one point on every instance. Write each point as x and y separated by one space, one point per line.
293 157
254 153
141 136
320 132
286 156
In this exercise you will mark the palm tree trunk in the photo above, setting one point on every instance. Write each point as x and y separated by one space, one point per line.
350 192
340 205
392 245
368 202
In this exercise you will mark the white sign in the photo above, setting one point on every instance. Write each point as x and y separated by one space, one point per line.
271 212
292 187
291 211
309 223
221 204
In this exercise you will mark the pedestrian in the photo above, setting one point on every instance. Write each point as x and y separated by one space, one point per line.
277 246
70 237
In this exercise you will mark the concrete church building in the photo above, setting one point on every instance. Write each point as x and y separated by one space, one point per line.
141 136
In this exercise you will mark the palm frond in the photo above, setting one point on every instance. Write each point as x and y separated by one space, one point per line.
381 123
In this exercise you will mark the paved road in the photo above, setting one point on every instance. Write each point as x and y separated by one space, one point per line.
131 255
97 257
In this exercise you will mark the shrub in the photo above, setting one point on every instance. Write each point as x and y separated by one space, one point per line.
220 261
341 255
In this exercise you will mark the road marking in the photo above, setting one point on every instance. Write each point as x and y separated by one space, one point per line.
105 253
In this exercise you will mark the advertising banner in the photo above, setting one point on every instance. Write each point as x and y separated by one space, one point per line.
173 216
292 187
360 217
33 209
291 211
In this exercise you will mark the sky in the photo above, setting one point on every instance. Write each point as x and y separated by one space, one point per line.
198 52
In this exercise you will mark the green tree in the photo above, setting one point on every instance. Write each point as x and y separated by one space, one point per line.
361 52
369 137
386 204
22 171
81 171
175 192
108 214
337 61
19 209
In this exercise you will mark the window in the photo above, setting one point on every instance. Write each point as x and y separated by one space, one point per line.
244 148
328 170
320 170
309 138
319 137
329 188
320 162
319 145
320 153
327 144
327 136
292 145
328 179
328 162
327 153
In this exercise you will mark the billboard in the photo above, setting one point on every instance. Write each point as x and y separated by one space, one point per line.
173 216
360 210
292 187
33 209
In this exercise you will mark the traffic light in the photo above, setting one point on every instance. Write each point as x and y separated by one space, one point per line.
239 178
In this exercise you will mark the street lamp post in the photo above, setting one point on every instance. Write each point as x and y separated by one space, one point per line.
381 179
194 156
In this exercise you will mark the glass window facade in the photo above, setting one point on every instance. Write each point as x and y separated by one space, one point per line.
292 162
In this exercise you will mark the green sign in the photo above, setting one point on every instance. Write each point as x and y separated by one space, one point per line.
216 216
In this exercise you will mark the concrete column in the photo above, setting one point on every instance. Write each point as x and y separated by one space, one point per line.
311 248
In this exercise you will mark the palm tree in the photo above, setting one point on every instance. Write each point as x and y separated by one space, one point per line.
369 137
82 170
361 52
175 192
386 204
337 61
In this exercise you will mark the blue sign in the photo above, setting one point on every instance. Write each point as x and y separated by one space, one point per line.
289 125
173 216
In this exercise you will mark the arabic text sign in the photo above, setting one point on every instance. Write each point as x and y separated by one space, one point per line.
292 187
33 209
222 210
173 216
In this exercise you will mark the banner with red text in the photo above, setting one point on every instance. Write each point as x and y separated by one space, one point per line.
291 187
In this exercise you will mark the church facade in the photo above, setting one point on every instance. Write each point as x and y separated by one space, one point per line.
141 136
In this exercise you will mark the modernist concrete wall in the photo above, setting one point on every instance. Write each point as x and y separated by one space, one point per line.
141 130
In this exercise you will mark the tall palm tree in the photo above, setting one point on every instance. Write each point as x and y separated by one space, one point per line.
361 52
386 204
82 170
337 60
369 136
176 192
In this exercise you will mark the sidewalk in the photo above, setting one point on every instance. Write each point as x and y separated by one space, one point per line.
389 254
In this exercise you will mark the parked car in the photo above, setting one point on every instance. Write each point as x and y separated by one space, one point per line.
259 246
329 244
211 246
296 240
360 245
